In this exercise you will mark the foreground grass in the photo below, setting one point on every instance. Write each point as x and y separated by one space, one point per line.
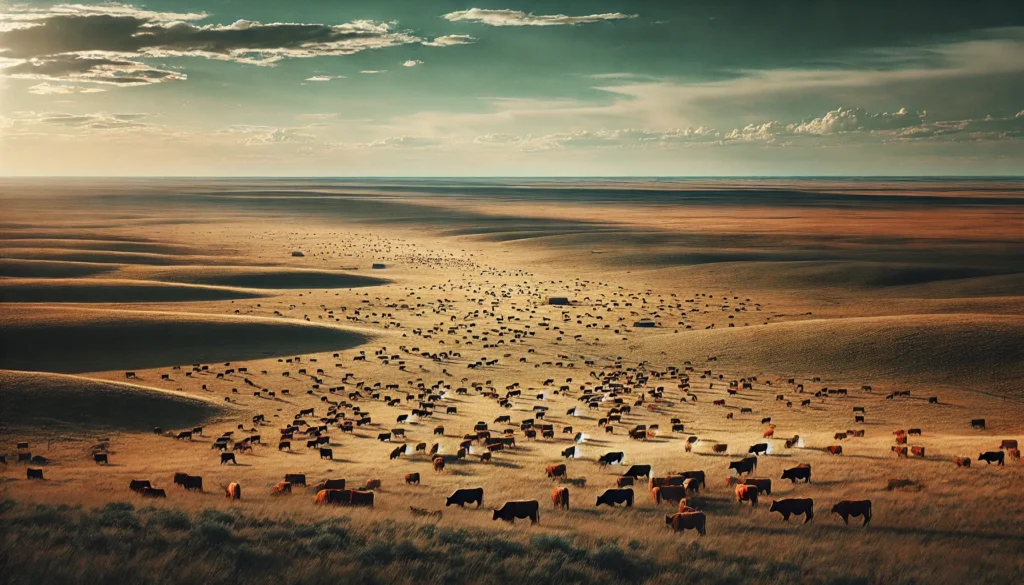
122 543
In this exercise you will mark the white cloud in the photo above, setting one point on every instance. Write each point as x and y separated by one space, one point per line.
404 142
449 41
412 63
373 71
519 18
61 89
98 121
324 77
268 135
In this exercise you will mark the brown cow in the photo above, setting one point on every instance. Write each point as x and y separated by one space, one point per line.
372 484
899 450
412 478
962 461
668 493
1008 444
855 508
284 487
746 493
559 470
340 497
684 507
769 434
560 498
834 449
330 484
233 491
763 485
917 450
688 521
623 482
438 464
719 448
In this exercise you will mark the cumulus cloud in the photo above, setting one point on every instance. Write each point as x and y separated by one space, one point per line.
250 135
107 43
449 41
519 18
412 63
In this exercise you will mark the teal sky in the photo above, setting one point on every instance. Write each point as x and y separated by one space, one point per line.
509 88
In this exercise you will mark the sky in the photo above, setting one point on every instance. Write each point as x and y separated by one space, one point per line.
512 88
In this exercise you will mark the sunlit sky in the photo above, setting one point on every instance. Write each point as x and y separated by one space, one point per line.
512 88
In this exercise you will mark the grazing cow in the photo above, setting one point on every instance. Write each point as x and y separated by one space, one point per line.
719 448
184 435
991 457
397 452
464 496
372 484
330 484
554 471
802 471
962 461
439 430
854 508
895 484
521 509
384 437
189 482
461 453
296 478
560 498
688 521
933 400
899 450
760 448
616 496
233 491
438 464
225 457
978 423
284 445
100 458
834 449
137 485
638 471
613 458
678 428
153 493
412 478
569 452
1008 444
791 506
745 465
623 481
284 487
668 493
746 493
763 485
338 497
485 457
917 450
697 475
839 436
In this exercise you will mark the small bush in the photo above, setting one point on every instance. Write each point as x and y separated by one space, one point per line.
171 519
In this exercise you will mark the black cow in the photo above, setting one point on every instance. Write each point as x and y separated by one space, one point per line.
326 453
137 485
797 506
991 457
758 448
802 471
100 458
613 458
225 457
638 471
698 475
522 509
189 482
569 452
466 496
854 508
978 423
611 497
35 473
745 465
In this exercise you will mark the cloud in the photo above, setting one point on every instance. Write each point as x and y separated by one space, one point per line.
59 89
412 63
373 71
519 18
99 121
324 77
449 41
91 68
404 142
268 135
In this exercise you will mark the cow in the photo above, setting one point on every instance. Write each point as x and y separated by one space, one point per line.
284 487
745 465
791 506
769 434
669 493
802 471
834 449
638 471
330 484
839 436
396 453
914 432
296 478
612 458
858 418
485 457
464 496
560 498
758 449
854 508
795 441
697 475
554 471
339 497
917 450
284 445
184 435
962 461
895 484
1008 444
439 430
763 485
746 493
137 485
421 447
189 482
518 509
34 473
688 521
372 484
616 496
899 450
326 453
100 458
1014 454
438 463
719 448
991 457
233 491
151 492
978 423
623 482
